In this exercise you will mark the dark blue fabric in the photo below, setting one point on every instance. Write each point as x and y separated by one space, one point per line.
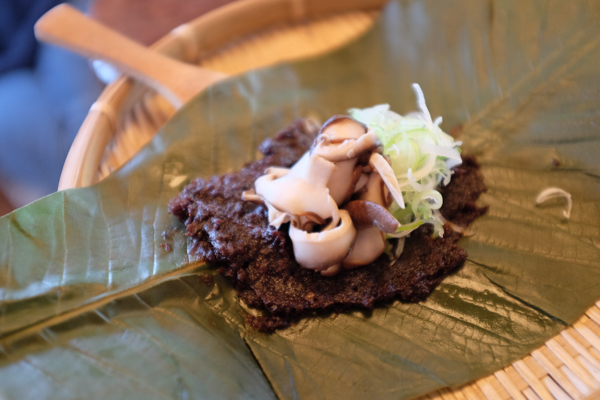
41 110
17 42
43 106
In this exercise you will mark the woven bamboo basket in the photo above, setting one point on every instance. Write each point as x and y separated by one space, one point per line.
240 37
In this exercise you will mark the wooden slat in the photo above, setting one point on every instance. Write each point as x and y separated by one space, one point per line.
539 388
594 314
530 394
594 396
538 371
579 384
473 392
594 353
447 394
492 389
590 324
556 390
509 385
566 345
516 378
572 364
588 334
571 331
557 375
550 356
590 368
581 349
459 394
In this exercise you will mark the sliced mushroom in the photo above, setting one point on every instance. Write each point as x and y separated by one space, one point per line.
370 213
366 144
301 190
367 214
314 169
341 182
312 217
368 246
304 221
273 213
374 190
381 165
348 149
250 195
351 188
283 218
361 183
343 140
321 250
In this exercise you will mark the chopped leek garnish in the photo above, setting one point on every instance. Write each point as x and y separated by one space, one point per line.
553 193
422 157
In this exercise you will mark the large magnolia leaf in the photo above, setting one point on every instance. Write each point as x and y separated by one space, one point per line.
94 307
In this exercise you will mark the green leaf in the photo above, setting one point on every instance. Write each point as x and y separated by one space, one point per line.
93 307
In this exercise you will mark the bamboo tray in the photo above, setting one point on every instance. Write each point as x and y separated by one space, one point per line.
239 37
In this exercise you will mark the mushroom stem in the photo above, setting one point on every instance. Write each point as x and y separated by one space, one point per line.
368 246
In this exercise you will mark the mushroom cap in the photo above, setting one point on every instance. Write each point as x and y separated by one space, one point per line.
321 250
366 214
342 127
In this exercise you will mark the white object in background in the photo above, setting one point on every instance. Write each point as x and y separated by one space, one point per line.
106 72
554 193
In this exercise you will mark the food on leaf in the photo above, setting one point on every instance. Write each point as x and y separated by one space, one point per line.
275 230
365 166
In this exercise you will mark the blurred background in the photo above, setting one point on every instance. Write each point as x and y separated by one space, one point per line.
46 92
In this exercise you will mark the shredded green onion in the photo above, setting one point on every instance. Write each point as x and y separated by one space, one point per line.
422 158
